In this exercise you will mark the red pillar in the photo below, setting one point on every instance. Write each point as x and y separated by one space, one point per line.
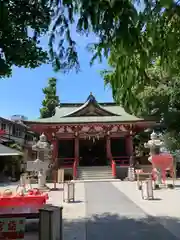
76 154
55 150
108 148
76 148
54 159
109 156
129 145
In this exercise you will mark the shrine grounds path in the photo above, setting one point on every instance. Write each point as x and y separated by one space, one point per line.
112 215
114 211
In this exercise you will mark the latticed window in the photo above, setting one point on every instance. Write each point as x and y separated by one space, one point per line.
18 132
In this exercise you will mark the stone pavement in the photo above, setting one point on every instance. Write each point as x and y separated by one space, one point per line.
164 209
115 210
112 215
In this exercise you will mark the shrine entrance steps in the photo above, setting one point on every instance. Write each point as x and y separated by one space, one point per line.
94 172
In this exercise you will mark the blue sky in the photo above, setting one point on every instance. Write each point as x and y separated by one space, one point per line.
22 93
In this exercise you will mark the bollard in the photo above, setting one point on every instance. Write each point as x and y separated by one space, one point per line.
60 176
131 174
147 189
50 223
69 192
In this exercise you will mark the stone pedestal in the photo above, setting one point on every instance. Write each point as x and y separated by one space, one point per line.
40 167
42 181
131 174
50 224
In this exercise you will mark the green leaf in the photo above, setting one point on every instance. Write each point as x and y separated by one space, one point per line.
166 3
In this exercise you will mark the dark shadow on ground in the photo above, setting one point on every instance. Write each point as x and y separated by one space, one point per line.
114 227
155 199
56 189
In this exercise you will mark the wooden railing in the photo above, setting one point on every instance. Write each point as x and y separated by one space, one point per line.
121 160
69 163
66 162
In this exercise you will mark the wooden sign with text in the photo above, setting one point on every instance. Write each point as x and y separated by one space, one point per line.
12 228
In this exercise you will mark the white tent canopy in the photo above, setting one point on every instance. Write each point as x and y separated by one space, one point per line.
7 151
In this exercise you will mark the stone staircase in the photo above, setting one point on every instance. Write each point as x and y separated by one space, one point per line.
94 172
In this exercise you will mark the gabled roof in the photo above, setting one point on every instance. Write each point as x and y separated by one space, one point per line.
90 108
89 112
7 151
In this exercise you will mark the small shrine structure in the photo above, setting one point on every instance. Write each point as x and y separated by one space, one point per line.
90 134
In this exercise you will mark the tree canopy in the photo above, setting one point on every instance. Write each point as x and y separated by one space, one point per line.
158 99
51 100
156 44
140 35
162 101
17 46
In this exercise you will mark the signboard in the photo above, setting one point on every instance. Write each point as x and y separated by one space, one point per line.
12 228
37 165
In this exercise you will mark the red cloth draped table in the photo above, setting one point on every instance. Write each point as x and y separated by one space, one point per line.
28 204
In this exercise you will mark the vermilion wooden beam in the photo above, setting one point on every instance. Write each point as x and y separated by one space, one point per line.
69 130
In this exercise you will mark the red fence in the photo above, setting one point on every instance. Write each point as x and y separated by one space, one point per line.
121 160
69 162
73 163
66 162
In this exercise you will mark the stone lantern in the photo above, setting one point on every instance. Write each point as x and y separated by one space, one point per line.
41 164
155 144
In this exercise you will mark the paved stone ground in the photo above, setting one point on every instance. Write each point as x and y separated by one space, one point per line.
74 221
164 208
112 215
104 211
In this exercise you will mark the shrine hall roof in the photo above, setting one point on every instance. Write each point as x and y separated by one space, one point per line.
89 112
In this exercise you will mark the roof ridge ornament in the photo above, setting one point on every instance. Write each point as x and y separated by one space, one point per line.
91 98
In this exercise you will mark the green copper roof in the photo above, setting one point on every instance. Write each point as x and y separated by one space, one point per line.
78 113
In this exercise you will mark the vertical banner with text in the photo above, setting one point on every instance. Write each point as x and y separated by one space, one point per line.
12 228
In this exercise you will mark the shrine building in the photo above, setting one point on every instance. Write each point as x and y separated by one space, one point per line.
91 135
